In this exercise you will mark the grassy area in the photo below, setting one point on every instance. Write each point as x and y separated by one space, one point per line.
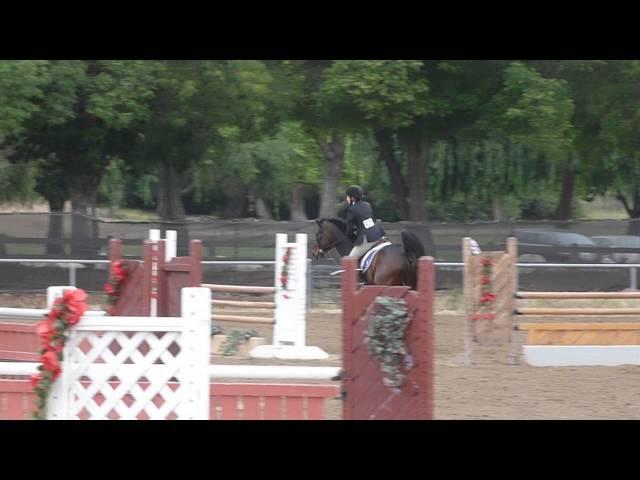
602 208
25 251
128 214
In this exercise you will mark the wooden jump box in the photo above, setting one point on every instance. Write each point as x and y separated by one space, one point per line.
627 333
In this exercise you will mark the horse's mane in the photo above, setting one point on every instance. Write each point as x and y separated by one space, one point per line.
338 222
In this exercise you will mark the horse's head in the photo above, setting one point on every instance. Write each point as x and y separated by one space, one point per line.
330 233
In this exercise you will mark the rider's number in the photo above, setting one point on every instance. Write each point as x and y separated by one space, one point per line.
368 223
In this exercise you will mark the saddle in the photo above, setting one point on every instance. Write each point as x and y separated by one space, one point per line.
367 259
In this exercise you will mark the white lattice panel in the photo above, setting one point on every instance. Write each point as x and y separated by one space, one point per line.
138 367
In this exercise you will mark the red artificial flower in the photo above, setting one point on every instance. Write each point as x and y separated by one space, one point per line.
111 310
75 295
485 280
50 363
57 348
54 313
45 329
486 262
118 271
476 316
35 379
109 289
75 301
73 319
285 259
488 316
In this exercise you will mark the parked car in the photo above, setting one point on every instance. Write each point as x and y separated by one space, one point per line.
554 246
619 241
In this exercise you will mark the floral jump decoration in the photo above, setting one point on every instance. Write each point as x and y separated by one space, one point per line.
487 296
284 275
385 339
114 287
66 312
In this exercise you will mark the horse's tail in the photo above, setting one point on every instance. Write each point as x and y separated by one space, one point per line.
413 249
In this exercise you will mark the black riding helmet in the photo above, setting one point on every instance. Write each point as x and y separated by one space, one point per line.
354 191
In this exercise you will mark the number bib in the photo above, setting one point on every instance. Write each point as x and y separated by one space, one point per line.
368 223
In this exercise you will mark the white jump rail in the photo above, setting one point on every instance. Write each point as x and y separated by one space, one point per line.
289 304
220 372
38 313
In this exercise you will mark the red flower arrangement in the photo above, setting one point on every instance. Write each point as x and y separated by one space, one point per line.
487 296
66 312
284 275
114 286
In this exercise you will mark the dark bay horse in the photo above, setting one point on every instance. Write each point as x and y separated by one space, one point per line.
393 265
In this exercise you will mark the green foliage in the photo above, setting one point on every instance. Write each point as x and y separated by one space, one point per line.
235 338
216 329
18 183
500 129
464 177
112 187
121 91
360 161
390 91
270 165
532 110
537 208
21 93
87 115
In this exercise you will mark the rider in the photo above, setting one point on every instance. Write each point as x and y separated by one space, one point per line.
361 228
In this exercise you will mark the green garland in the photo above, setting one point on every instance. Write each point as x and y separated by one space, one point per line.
53 331
235 338
388 322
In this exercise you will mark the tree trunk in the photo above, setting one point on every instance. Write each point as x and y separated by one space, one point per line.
182 232
82 193
235 194
564 210
418 148
334 156
262 210
497 209
170 206
56 223
297 202
633 211
384 139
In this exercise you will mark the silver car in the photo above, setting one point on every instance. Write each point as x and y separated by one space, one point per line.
556 246
619 241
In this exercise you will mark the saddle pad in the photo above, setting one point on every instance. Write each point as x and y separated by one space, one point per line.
366 261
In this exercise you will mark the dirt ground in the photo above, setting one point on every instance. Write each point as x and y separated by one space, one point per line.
490 388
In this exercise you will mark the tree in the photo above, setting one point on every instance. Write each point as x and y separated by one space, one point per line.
536 113
199 106
281 167
21 91
607 129
88 113
305 79
413 104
